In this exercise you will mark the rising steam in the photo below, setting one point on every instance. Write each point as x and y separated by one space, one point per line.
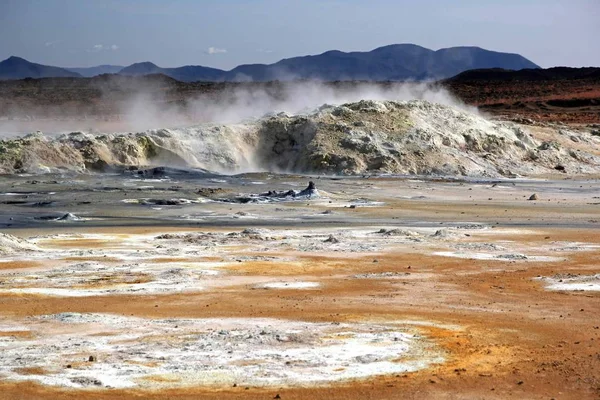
239 104
149 105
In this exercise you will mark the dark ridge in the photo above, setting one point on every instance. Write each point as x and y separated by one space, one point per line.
549 74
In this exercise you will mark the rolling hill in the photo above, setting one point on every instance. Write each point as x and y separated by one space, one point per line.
19 68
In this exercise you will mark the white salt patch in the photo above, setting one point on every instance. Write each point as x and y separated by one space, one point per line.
119 279
496 257
575 286
79 236
245 216
210 352
138 289
508 231
571 246
576 283
289 285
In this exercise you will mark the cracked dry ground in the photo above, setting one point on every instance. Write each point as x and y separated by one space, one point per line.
501 332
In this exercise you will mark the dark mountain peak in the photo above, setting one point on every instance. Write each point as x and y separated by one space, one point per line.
19 68
16 59
461 48
405 46
141 68
144 67
331 53
144 64
401 50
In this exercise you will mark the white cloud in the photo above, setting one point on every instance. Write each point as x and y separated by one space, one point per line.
215 50
52 43
103 47
267 51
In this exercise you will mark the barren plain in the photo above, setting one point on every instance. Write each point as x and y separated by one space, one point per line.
388 287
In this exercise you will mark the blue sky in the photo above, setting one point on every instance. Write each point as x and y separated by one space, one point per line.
226 33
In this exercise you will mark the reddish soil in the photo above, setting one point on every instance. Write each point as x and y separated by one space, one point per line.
516 339
567 95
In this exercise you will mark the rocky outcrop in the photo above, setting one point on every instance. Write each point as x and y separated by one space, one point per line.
10 244
414 137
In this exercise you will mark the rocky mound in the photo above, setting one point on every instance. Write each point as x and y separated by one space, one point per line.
414 137
10 244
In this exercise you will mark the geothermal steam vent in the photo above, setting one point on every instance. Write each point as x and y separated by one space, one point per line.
414 137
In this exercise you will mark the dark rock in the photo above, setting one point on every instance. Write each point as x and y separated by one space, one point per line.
331 239
98 166
68 217
47 218
209 192
46 203
273 195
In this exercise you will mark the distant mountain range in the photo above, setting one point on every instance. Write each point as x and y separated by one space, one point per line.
95 71
389 63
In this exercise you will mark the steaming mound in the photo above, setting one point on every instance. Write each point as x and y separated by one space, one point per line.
415 137
79 151
10 244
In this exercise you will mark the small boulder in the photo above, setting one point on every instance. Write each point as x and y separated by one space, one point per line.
331 239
